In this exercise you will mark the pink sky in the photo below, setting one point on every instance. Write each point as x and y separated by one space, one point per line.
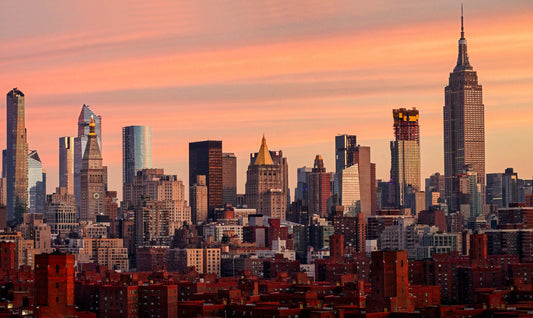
299 71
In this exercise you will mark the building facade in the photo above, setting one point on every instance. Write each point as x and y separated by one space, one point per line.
36 184
229 179
319 188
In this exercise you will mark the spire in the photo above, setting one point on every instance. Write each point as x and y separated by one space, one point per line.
263 156
92 126
462 59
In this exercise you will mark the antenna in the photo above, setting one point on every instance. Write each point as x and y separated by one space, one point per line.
462 28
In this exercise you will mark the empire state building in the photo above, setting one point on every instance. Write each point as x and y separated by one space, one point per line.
464 126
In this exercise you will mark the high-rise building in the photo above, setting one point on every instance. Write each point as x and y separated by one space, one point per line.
36 184
198 195
367 180
435 189
66 163
265 183
80 145
319 188
16 160
205 158
136 150
470 201
229 179
405 154
344 151
92 185
464 125
301 192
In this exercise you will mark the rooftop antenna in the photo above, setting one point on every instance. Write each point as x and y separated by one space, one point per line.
462 28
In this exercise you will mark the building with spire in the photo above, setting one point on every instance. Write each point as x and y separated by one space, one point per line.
16 159
92 184
266 184
80 144
464 125
405 154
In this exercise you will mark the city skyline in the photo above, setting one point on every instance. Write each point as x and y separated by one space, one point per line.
324 72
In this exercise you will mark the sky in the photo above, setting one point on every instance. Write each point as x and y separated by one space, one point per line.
300 72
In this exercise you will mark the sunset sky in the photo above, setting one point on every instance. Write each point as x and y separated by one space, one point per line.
298 71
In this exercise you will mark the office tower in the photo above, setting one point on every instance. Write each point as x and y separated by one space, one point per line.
435 189
319 188
198 195
205 158
301 193
265 183
154 184
54 285
367 180
61 211
229 179
278 159
80 144
36 184
136 150
464 127
405 154
494 189
469 196
92 186
66 163
390 283
16 161
344 151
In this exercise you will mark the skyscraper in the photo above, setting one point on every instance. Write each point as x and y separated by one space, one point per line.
136 150
66 163
464 126
92 185
319 188
16 164
344 151
36 184
405 154
198 195
265 183
229 179
80 144
205 158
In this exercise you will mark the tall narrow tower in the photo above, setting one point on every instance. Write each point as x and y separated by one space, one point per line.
16 157
66 163
405 154
464 125
136 151
80 144
91 179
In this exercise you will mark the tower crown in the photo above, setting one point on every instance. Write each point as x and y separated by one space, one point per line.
92 126
462 59
263 156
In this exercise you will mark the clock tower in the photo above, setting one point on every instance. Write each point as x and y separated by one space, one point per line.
92 179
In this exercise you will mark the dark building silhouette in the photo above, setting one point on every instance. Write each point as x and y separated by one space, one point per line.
319 188
229 179
205 158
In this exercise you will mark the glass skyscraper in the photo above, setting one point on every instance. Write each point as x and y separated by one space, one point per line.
136 150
